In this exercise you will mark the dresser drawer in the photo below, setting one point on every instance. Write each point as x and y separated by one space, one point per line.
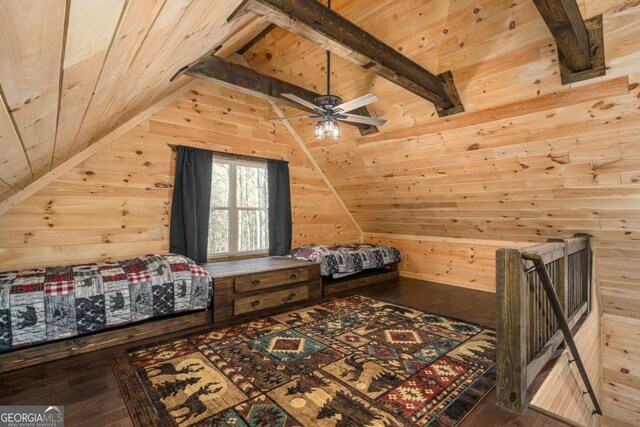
272 299
271 279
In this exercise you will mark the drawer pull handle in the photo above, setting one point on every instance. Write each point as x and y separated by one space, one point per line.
293 276
255 303
291 296
255 282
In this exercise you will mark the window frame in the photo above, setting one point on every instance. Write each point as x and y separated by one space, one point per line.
234 210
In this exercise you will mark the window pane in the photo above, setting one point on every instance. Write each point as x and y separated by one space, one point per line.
218 231
220 185
253 230
252 187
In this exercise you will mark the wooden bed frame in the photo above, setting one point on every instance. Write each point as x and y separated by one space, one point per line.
370 277
49 351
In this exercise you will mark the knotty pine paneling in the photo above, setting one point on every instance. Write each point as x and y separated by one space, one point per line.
72 71
530 159
621 370
459 262
116 204
31 46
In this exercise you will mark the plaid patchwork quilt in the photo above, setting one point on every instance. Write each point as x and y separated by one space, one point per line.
342 260
59 302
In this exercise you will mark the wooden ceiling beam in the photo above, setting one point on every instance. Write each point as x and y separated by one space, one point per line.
580 43
256 39
317 23
243 79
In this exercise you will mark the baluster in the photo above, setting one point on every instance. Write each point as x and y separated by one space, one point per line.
539 313
531 315
531 308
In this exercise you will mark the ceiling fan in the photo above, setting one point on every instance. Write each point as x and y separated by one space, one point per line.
330 108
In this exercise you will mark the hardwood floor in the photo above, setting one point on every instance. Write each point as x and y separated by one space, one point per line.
87 387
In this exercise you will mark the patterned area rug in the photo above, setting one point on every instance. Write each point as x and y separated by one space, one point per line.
353 361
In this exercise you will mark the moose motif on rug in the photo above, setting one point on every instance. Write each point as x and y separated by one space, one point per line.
193 404
170 369
353 361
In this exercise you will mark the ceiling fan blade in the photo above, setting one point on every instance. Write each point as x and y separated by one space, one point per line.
367 99
373 121
301 101
302 116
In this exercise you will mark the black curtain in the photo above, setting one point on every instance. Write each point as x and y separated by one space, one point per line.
279 208
190 209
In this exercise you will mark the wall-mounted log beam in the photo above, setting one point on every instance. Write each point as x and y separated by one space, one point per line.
317 23
246 80
580 43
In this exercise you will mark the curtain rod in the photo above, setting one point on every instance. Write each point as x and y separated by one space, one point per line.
174 148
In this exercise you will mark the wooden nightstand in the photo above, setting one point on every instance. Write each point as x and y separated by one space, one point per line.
247 286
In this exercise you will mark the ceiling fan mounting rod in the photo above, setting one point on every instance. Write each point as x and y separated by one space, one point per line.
328 73
330 108
328 61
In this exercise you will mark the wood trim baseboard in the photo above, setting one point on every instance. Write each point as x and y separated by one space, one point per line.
453 240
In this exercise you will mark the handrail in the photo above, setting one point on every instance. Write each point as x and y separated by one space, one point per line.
564 326
529 328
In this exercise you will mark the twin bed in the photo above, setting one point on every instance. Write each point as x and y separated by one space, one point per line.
350 266
50 304
340 261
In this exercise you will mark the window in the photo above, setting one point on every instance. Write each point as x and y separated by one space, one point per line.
238 222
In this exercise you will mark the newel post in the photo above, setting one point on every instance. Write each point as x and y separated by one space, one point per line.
511 330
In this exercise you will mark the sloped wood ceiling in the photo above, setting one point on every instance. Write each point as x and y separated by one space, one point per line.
72 71
530 159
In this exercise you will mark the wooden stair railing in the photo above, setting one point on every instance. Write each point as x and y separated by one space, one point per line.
542 293
550 292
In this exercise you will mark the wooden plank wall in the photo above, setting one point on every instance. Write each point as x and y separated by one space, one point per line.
530 159
73 70
469 263
116 204
561 392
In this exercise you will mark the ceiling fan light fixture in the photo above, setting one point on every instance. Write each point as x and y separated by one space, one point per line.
327 127
336 131
330 108
319 130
